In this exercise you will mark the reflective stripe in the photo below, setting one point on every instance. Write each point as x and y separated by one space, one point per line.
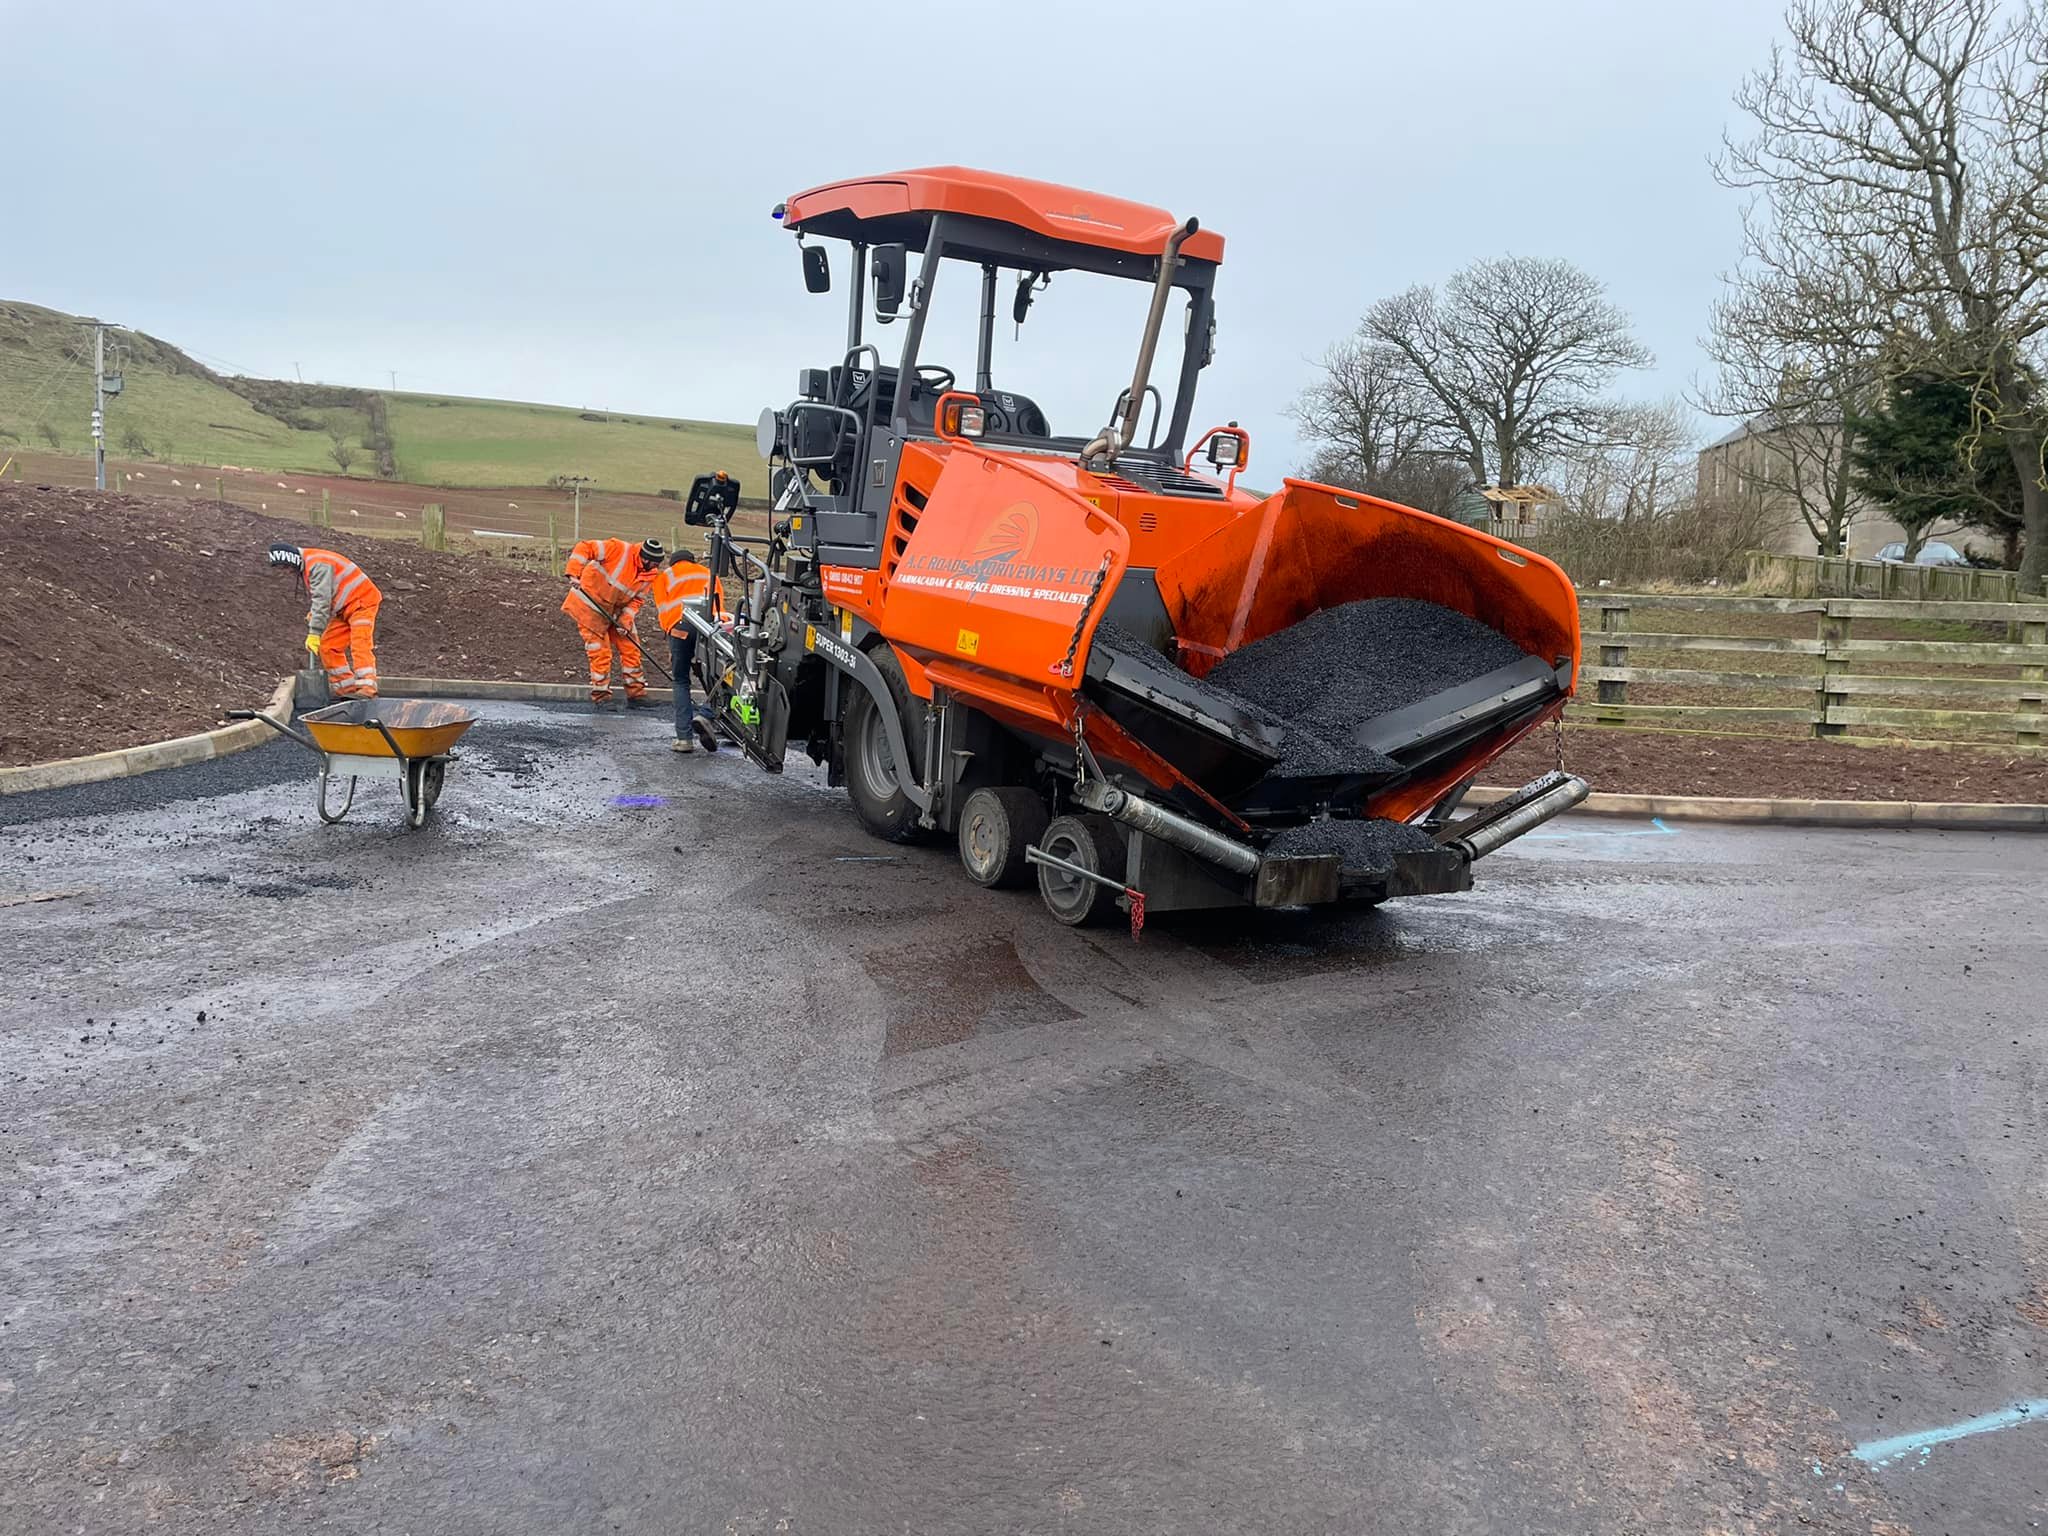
615 567
674 588
349 578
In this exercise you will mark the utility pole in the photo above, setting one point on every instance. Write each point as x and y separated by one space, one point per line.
99 406
394 379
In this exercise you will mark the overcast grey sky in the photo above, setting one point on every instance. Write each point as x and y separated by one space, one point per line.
569 202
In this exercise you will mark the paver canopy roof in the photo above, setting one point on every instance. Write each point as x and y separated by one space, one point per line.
899 205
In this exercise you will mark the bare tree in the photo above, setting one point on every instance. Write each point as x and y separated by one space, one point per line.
341 450
1644 472
1514 359
1372 427
1899 160
1793 385
1364 413
50 434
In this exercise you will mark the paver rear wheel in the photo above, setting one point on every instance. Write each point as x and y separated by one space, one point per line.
1092 843
996 826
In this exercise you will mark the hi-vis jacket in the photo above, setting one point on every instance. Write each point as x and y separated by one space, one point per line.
608 572
676 587
337 586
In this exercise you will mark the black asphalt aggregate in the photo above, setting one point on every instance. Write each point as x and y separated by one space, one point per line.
639 1147
1343 666
1360 843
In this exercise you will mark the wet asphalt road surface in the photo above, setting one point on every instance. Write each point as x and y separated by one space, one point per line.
587 1164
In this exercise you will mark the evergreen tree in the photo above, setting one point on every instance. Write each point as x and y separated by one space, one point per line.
1921 456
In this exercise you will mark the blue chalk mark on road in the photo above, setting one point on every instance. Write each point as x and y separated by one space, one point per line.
1656 828
1921 1443
638 802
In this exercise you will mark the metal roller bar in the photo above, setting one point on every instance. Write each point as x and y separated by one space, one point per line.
1530 806
1167 826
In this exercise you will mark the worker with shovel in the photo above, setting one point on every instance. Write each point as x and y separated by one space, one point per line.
608 578
341 625
677 587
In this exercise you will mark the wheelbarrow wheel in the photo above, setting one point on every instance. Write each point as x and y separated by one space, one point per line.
432 780
418 799
320 799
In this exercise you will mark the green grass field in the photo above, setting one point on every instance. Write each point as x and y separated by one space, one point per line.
174 409
448 440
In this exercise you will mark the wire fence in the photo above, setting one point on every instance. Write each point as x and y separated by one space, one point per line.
528 523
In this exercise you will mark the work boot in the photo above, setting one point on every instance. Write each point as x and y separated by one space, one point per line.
682 744
600 702
704 733
638 701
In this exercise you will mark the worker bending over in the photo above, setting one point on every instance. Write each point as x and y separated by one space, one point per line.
678 587
341 624
607 580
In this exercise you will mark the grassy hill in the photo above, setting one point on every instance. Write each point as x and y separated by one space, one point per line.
177 410
449 440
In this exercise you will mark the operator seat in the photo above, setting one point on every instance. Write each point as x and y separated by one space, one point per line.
1010 414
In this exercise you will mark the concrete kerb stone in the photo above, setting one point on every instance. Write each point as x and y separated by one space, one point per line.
478 688
125 762
184 750
1931 815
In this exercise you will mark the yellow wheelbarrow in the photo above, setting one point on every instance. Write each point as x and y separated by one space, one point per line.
403 739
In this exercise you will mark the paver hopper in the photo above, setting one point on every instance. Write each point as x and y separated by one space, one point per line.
1084 654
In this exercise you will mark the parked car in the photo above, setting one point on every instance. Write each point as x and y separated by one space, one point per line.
1933 552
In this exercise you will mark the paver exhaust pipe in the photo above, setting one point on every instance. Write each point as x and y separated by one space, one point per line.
1167 826
1523 811
1119 435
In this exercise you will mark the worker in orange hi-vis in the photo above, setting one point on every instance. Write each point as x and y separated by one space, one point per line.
608 578
341 624
679 586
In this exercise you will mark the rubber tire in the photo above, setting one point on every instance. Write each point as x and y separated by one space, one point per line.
1093 842
996 826
883 808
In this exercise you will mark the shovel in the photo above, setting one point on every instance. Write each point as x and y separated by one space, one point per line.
309 685
623 633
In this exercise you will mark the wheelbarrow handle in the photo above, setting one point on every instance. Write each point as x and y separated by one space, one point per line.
283 730
389 740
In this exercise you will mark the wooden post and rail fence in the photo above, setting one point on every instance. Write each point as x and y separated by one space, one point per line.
1839 576
1825 667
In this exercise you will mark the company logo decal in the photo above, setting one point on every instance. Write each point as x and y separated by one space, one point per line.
999 564
1010 537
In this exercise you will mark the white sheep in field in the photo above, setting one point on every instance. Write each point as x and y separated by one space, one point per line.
398 514
282 486
352 512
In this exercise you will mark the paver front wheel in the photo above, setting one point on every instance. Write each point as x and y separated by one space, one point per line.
996 826
872 772
1087 842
